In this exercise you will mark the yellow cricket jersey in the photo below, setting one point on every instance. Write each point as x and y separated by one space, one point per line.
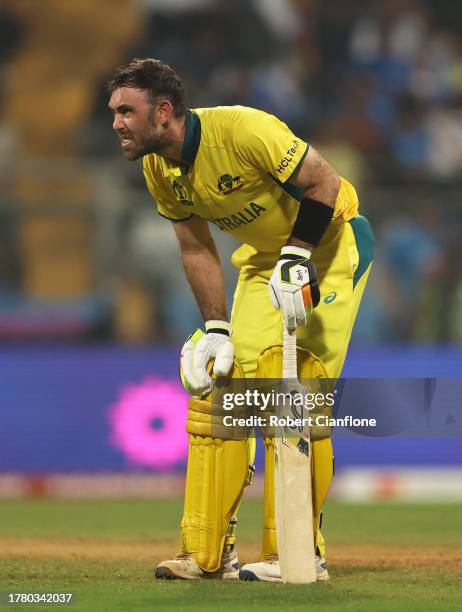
236 174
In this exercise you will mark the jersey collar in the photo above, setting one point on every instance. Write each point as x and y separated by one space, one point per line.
192 139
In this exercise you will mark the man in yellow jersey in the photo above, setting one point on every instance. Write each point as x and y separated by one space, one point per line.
306 253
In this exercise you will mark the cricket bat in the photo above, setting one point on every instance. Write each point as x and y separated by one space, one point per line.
292 489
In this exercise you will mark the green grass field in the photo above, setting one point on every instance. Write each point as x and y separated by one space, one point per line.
381 556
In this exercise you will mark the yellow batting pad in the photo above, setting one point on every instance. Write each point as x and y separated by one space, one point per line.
322 470
270 547
269 364
310 368
216 476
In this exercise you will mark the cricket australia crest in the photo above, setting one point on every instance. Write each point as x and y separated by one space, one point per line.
227 183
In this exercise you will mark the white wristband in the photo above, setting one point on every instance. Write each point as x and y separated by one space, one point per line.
219 327
294 250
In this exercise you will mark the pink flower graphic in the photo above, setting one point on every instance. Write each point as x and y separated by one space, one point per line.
148 423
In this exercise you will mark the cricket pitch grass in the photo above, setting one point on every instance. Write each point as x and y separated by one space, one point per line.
385 556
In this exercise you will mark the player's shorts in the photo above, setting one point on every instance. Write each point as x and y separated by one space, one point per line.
343 260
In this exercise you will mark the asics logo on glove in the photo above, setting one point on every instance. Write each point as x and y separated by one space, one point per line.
293 286
199 349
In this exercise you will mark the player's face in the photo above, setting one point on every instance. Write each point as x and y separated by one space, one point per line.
135 123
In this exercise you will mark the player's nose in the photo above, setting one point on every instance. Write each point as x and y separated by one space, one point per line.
117 124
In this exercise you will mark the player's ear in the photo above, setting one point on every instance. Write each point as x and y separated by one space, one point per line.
164 111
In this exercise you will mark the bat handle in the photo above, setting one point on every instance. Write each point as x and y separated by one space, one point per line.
289 352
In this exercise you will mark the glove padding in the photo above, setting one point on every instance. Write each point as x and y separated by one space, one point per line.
293 286
201 348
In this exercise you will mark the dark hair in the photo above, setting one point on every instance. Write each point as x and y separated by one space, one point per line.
153 76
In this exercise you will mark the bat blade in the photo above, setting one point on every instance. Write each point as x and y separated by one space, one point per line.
292 493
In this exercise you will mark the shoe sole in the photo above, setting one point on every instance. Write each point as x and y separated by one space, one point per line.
165 573
249 576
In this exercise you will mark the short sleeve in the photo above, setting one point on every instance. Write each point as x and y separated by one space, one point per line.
167 206
268 144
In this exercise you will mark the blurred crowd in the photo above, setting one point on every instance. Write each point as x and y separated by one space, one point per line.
376 85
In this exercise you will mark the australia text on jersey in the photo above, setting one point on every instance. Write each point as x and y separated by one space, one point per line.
243 217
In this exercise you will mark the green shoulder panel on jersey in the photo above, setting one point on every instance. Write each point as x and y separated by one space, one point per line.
192 139
292 190
289 188
365 241
298 166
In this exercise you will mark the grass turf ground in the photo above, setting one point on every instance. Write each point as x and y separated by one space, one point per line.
388 556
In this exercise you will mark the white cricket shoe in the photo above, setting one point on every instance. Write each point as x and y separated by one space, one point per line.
184 567
270 571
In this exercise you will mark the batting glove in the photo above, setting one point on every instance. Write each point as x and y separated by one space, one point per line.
201 348
293 286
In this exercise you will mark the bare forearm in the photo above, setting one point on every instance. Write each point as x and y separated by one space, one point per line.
324 183
205 276
202 266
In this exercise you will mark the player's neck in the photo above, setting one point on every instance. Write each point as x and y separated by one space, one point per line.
174 141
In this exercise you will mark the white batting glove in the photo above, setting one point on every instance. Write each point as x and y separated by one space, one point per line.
201 348
293 286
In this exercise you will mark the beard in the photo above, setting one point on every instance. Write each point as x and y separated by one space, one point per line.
156 141
143 146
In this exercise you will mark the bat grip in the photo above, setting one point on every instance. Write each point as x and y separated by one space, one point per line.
289 352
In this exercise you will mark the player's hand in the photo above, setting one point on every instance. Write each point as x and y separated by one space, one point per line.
201 348
293 286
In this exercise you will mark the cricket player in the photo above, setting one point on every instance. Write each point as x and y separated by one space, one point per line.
306 254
